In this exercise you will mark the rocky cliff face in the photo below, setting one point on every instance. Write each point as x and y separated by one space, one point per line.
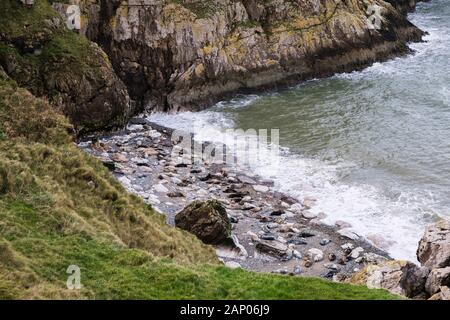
185 54
173 55
41 54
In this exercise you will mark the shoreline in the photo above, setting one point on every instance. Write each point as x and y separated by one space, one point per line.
273 232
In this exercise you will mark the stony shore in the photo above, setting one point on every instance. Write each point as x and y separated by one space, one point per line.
272 232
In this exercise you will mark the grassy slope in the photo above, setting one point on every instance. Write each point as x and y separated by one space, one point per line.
60 207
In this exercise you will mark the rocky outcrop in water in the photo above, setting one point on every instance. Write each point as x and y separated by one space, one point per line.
176 55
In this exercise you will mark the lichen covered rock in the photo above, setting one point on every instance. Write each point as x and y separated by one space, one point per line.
434 247
437 279
207 220
399 277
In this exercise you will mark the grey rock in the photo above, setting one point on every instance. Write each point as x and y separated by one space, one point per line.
436 279
434 247
274 248
315 254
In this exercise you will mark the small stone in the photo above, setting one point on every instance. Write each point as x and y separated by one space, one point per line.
268 237
272 225
298 241
297 270
348 246
331 266
356 252
135 127
260 188
118 157
307 233
233 219
204 177
346 233
154 134
359 260
315 254
309 215
324 242
140 161
181 165
281 271
275 248
296 208
331 257
297 254
248 206
308 263
196 170
253 235
247 180
160 188
330 274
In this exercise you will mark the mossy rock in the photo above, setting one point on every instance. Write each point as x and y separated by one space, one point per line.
74 74
207 220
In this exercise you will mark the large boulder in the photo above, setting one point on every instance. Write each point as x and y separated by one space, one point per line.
399 277
207 220
434 247
437 279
